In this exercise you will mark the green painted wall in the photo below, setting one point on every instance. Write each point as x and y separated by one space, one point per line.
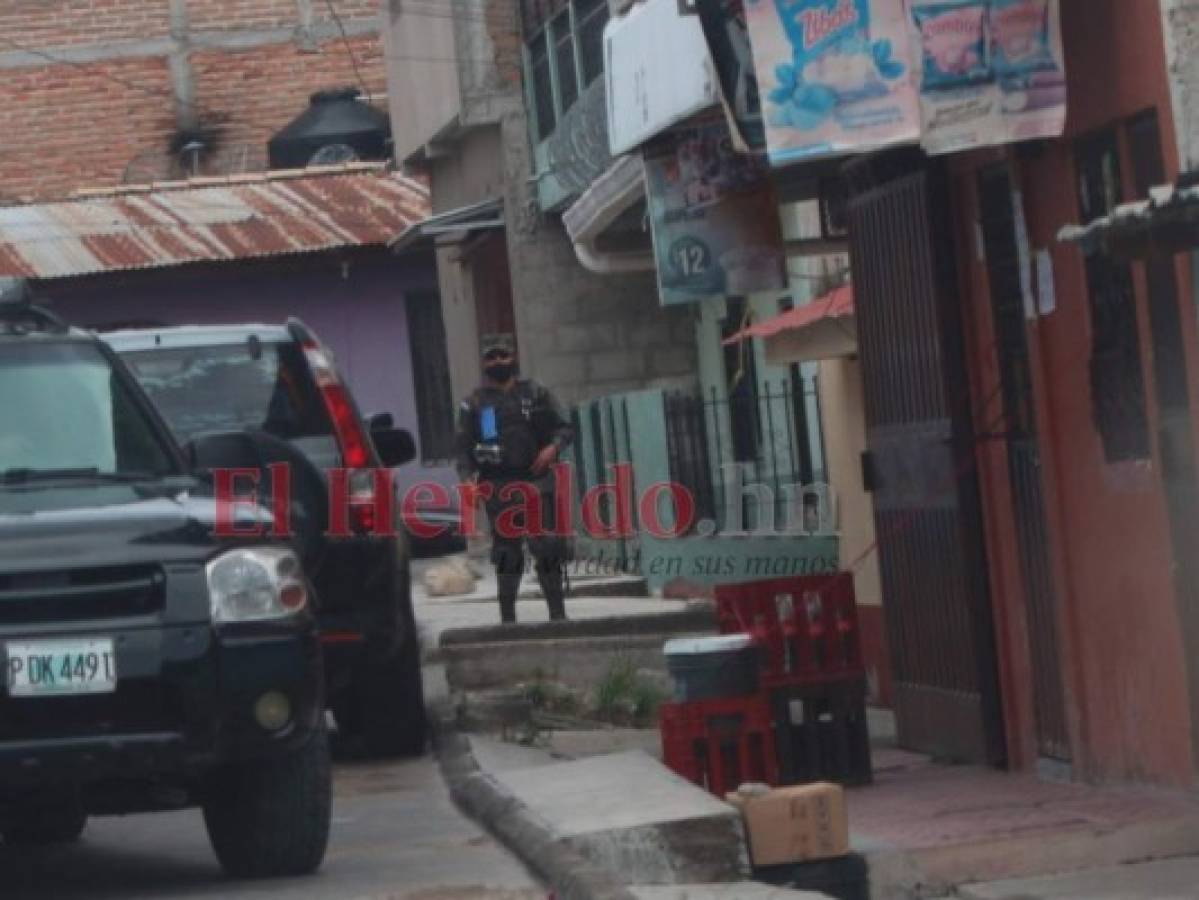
634 429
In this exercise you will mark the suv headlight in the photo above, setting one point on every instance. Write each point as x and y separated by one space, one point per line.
255 585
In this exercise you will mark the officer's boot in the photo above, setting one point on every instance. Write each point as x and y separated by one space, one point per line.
509 588
509 567
552 578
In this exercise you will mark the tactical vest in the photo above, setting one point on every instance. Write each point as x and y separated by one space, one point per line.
519 425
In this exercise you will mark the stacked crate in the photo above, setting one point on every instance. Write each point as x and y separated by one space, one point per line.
804 718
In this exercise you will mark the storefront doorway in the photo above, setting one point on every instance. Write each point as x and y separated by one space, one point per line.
919 463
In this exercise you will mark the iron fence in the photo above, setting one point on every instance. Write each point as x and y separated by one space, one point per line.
768 439
745 458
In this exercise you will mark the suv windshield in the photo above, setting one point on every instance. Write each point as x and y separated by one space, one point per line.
250 385
65 410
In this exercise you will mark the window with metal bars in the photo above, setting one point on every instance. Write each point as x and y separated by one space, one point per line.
799 398
564 53
741 372
1117 376
433 391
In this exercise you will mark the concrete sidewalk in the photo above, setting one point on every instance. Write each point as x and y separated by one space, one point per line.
437 615
1175 879
582 582
641 831
924 828
927 828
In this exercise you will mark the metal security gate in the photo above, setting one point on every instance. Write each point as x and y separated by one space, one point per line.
1024 458
919 462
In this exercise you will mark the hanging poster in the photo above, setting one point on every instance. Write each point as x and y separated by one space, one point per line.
834 75
714 217
990 71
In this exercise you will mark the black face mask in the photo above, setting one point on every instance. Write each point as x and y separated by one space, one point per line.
500 372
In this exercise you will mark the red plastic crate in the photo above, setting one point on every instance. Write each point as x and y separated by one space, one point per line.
807 627
721 744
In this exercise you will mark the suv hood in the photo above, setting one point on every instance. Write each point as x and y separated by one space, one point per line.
74 527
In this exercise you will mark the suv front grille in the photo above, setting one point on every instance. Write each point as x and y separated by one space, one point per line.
81 595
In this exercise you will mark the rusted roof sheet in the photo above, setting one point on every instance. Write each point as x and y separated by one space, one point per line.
209 220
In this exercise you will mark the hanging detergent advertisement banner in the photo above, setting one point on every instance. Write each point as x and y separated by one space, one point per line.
714 217
834 75
991 71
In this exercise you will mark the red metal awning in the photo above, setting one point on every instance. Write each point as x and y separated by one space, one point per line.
822 329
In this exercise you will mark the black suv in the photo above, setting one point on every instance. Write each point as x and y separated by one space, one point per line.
280 381
148 664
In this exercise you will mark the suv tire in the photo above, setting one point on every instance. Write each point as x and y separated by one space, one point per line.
392 704
270 818
48 825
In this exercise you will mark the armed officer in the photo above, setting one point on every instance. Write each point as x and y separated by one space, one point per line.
512 430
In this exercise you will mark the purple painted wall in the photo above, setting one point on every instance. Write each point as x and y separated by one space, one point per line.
355 304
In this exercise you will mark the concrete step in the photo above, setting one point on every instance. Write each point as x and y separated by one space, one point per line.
580 663
578 653
632 817
606 586
699 616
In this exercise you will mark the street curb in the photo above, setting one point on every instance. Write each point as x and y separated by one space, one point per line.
482 798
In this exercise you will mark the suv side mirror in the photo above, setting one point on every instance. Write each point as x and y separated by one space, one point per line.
395 445
381 422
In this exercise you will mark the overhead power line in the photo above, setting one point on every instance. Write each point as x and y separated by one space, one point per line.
349 48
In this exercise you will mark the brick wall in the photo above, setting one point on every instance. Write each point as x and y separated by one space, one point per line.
67 127
103 111
71 23
239 14
253 14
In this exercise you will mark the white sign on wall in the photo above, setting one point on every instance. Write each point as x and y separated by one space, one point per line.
658 70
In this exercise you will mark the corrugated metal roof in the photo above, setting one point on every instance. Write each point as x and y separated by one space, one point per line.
477 217
207 220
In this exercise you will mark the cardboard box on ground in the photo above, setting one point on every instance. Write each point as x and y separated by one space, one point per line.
794 824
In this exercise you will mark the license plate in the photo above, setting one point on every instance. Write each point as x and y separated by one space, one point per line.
61 668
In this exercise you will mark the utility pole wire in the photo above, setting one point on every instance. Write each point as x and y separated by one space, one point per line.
345 40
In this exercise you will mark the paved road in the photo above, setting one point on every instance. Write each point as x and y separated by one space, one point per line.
395 835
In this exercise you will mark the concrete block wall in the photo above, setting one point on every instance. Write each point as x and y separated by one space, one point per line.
1180 19
489 52
91 94
588 335
584 335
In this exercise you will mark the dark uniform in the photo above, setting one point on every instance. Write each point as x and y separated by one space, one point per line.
500 433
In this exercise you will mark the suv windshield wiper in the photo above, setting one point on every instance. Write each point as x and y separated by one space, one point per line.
30 476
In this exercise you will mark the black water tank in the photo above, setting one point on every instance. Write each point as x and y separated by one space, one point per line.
337 127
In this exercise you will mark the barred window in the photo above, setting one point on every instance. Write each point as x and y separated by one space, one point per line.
1116 374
